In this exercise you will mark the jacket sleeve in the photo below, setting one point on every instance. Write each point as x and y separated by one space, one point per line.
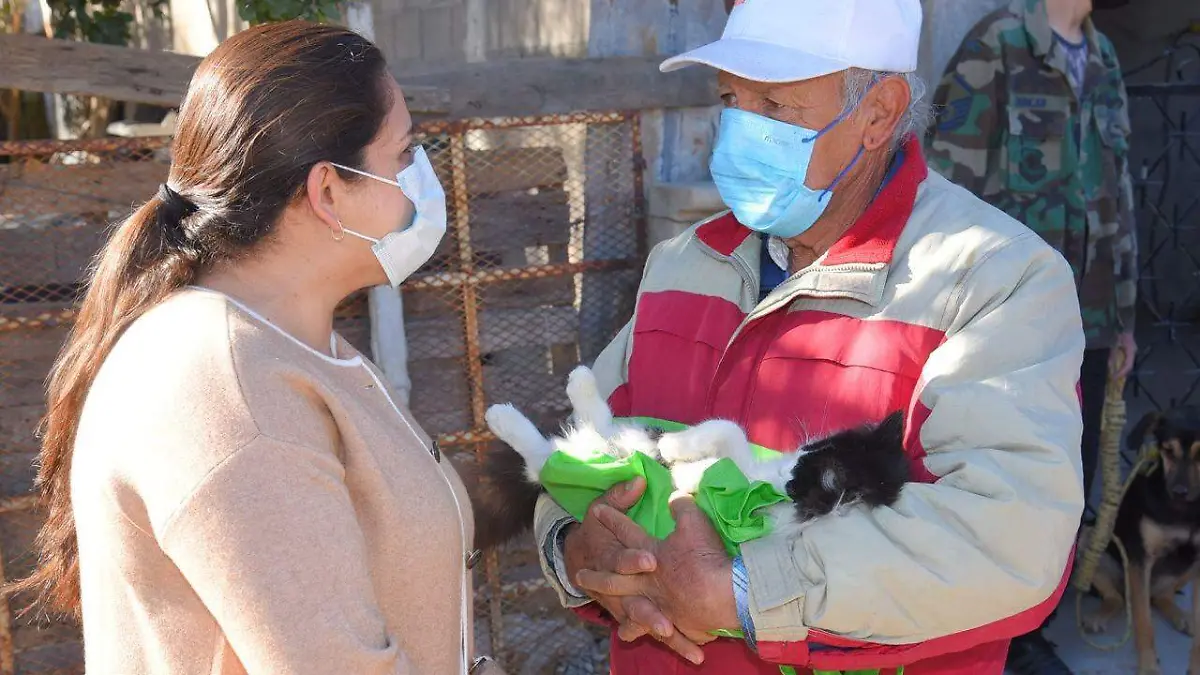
1125 254
964 142
1125 249
284 571
997 419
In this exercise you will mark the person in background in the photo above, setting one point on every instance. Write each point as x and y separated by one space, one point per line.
1033 118
231 488
845 282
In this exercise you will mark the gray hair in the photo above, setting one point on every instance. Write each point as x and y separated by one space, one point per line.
913 121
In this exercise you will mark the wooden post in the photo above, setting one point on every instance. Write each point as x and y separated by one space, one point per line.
475 45
8 656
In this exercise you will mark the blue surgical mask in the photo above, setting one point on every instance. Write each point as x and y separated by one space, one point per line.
759 165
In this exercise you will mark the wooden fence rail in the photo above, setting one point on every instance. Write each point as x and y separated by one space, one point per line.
506 88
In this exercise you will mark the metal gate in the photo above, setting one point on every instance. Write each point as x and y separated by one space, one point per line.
1165 164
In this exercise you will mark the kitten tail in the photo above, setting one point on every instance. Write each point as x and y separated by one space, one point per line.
502 498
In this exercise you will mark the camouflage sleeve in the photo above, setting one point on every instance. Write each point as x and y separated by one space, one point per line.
1125 249
969 100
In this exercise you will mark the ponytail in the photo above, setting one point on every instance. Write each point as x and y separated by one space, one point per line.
147 258
261 110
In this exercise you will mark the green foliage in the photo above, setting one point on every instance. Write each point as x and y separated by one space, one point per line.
266 11
99 21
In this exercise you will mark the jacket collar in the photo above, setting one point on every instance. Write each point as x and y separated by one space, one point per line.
1041 36
872 239
1037 26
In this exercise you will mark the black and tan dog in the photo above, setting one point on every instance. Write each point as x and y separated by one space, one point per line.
1159 525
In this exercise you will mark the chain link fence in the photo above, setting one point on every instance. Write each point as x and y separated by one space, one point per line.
56 201
537 272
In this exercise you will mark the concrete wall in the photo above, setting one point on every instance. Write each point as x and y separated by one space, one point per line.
423 35
1143 29
946 23
677 143
418 35
1140 30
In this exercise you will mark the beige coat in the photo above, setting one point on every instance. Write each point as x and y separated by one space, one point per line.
246 504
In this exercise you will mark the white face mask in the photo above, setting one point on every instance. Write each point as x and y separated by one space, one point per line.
402 252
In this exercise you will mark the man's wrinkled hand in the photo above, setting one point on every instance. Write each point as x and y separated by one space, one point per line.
691 583
591 545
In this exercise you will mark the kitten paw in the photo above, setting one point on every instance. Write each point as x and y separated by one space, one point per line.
680 447
687 475
504 420
707 440
581 385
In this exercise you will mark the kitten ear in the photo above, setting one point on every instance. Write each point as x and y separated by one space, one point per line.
892 426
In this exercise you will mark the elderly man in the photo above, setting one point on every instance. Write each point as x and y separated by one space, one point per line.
845 282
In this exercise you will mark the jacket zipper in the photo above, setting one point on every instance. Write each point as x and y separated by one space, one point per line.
747 275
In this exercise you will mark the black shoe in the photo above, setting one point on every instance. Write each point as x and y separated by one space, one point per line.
1033 654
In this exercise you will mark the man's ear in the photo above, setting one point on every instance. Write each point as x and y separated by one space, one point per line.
881 111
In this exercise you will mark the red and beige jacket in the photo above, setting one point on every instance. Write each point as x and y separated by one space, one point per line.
934 303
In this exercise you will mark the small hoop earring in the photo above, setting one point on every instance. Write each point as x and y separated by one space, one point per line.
341 232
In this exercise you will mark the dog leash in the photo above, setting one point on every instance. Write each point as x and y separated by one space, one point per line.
1112 423
1125 637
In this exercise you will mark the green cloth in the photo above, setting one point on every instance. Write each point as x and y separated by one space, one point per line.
576 482
725 495
733 503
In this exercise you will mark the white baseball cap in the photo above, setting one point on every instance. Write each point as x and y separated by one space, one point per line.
793 40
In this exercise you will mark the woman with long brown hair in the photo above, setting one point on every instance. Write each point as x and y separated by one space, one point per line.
230 487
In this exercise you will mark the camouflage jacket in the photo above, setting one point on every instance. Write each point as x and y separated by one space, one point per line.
1011 129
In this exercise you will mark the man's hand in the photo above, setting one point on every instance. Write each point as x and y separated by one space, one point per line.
1127 346
692 582
591 545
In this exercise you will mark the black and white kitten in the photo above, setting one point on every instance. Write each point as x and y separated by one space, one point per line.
864 465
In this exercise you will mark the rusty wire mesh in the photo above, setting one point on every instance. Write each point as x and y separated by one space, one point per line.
56 201
537 272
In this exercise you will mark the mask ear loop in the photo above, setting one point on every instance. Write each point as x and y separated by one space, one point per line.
841 174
